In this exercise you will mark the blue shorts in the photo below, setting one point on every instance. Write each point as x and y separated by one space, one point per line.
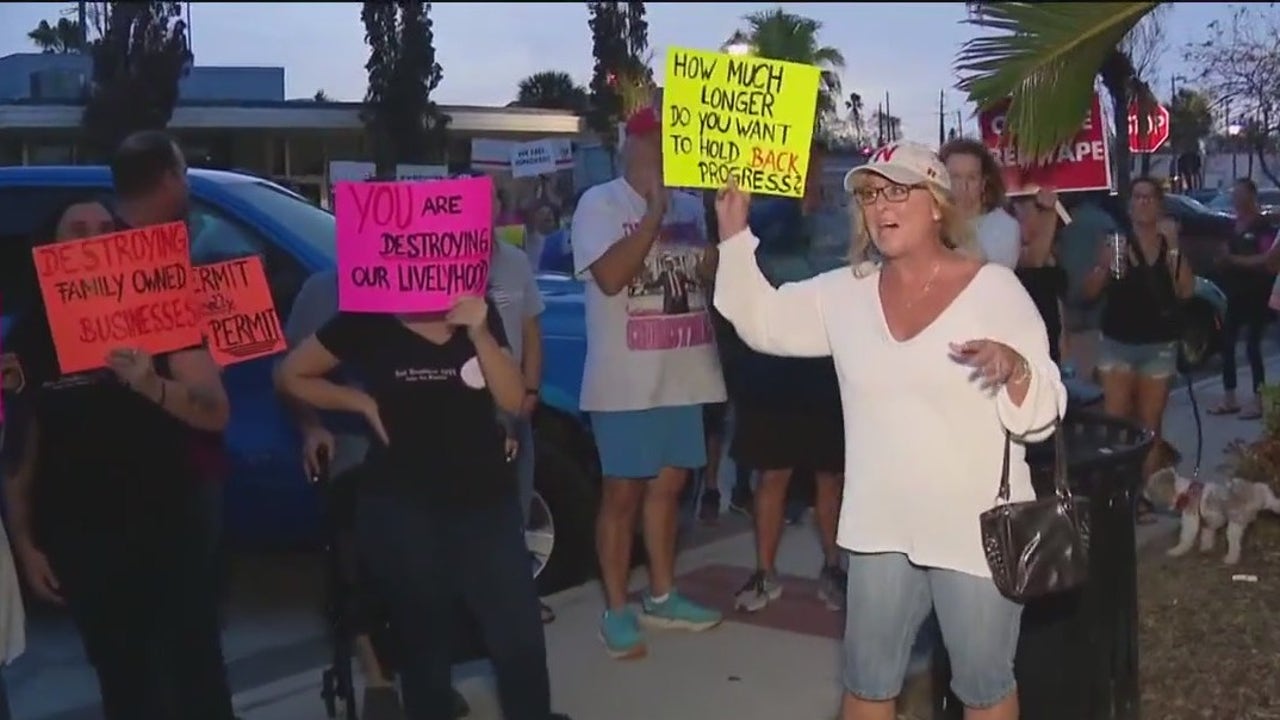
636 444
1150 360
889 598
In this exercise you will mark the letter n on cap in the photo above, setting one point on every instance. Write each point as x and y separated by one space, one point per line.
884 154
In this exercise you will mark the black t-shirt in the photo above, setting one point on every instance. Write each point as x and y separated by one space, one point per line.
446 444
108 458
1250 286
1141 308
1047 286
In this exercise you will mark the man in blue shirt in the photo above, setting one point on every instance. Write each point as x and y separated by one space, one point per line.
787 410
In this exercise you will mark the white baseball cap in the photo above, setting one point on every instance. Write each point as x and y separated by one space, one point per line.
904 163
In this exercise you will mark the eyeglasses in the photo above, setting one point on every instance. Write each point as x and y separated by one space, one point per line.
892 193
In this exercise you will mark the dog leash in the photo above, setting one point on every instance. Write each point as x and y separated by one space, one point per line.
1195 413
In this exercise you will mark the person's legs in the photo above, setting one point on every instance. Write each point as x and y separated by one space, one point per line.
525 470
629 456
500 593
764 440
1152 396
680 441
763 587
1116 373
1230 335
99 582
1254 330
713 418
891 597
413 569
831 580
980 630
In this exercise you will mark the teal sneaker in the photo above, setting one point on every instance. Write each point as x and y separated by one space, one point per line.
621 636
677 612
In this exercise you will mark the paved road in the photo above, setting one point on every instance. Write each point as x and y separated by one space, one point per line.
275 641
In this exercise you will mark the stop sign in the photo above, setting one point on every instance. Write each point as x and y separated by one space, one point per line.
1157 130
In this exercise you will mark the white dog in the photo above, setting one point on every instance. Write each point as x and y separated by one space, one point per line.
1207 507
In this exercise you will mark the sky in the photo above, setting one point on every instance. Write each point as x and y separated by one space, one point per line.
903 49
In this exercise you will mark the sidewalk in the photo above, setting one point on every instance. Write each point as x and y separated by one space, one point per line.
782 663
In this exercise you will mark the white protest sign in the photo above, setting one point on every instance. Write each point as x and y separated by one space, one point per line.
533 158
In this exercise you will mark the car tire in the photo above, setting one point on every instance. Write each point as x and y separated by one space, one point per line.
565 486
1201 335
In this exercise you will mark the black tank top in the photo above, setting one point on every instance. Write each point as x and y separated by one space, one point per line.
1140 308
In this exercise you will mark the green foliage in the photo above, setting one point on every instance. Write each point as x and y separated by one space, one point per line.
780 35
62 37
552 90
619 44
1045 56
1190 120
404 124
137 64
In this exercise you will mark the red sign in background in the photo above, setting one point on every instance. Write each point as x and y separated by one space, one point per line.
1084 163
1157 132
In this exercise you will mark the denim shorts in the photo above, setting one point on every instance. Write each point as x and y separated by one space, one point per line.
636 444
1150 360
889 598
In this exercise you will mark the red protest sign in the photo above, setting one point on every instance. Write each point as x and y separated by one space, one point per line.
238 316
1084 163
129 289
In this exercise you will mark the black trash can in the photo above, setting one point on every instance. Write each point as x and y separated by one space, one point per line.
1078 651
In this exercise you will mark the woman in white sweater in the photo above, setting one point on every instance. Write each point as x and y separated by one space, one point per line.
938 356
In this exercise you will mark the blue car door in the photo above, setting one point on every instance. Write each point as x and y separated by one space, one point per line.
268 501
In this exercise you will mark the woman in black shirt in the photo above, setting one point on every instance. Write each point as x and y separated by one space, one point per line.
1038 269
107 516
1247 280
438 519
1138 353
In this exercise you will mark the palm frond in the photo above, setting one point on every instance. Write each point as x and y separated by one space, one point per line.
1045 57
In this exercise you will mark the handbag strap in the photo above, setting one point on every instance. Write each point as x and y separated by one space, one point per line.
1060 486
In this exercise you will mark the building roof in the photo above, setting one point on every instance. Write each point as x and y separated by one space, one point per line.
297 115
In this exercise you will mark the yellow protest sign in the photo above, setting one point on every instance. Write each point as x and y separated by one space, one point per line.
511 234
734 116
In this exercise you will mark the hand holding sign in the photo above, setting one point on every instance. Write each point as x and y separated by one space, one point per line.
732 205
134 367
469 312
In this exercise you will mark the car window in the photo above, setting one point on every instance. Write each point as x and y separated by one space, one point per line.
23 212
315 226
217 237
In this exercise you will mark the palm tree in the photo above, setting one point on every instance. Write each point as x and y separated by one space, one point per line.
62 37
853 105
321 96
779 35
551 90
1045 58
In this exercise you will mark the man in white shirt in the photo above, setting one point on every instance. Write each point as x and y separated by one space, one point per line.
651 366
979 192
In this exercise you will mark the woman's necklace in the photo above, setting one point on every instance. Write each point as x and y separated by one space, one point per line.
924 289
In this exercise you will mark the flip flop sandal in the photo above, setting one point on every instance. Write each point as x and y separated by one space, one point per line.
1224 409
1251 414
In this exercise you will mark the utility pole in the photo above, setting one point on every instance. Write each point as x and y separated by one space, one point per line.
889 130
942 118
82 17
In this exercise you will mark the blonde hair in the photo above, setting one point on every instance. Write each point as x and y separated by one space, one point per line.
957 233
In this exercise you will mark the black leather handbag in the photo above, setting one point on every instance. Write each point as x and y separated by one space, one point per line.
1039 547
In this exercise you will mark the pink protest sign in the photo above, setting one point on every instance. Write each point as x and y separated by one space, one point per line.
412 246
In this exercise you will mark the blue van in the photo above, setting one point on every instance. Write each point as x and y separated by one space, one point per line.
269 503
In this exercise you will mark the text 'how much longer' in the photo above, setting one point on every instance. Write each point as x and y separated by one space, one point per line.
740 117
